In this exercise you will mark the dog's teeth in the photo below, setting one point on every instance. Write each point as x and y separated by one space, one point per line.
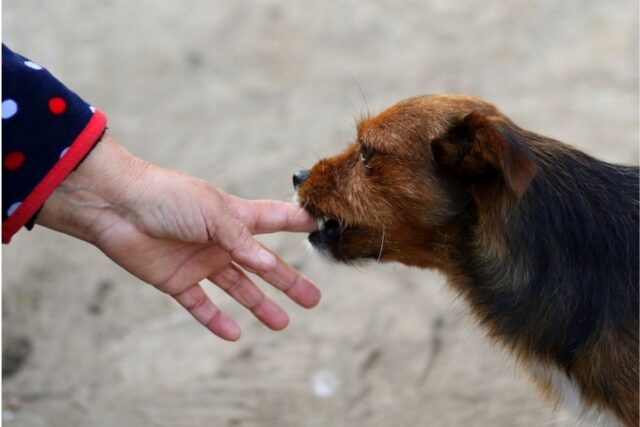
322 221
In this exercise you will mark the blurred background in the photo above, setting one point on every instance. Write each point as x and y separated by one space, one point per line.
243 93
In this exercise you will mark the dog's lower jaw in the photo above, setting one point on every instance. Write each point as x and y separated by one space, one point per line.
336 241
313 242
332 252
356 245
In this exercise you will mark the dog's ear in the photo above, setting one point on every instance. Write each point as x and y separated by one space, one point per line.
478 148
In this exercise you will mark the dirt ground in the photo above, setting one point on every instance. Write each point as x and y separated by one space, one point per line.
243 93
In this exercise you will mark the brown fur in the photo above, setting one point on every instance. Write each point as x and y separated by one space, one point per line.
449 182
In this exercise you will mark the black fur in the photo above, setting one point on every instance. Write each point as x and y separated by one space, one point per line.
574 235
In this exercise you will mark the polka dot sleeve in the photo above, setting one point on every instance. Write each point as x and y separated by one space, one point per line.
46 132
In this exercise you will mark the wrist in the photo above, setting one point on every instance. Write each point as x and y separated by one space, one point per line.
94 196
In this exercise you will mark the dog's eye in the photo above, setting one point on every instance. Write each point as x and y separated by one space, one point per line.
365 154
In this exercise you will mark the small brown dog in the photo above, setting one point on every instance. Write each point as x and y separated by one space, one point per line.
540 238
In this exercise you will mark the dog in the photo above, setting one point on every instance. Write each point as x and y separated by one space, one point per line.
540 238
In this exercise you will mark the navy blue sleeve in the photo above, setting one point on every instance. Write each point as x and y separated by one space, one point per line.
46 132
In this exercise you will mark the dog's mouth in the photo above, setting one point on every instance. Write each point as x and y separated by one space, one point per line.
326 222
328 233
340 239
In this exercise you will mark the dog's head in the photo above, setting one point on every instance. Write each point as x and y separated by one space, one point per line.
397 192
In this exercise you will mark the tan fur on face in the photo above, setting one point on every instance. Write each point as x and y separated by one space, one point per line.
357 195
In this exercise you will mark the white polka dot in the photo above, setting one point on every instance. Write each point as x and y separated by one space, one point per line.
92 108
63 152
32 65
9 108
13 208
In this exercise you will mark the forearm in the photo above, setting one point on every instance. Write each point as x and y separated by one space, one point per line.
93 197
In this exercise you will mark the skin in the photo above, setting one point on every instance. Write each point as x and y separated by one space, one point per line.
173 231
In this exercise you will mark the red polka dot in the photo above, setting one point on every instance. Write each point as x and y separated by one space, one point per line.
57 105
13 160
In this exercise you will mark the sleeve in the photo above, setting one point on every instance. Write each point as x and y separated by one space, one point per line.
47 130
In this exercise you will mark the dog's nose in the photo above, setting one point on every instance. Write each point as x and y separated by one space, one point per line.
299 177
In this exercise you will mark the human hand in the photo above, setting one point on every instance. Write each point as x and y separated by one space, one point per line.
174 231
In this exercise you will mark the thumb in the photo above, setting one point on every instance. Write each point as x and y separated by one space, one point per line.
234 237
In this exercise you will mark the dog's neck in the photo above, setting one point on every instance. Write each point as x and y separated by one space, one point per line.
540 271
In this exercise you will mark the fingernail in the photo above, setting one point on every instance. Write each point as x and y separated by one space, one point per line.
316 299
266 258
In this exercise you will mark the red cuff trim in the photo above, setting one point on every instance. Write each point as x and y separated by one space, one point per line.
74 155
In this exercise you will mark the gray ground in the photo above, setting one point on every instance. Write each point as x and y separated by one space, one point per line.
243 93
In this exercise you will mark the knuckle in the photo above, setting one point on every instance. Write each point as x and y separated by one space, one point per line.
245 239
213 319
192 298
291 284
258 303
235 286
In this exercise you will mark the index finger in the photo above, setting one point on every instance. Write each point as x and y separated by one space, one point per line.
268 216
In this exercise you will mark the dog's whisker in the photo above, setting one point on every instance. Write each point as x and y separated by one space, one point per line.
316 154
296 165
364 97
381 244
